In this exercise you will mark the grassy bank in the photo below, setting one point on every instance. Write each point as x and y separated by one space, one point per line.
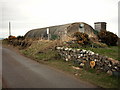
44 52
111 52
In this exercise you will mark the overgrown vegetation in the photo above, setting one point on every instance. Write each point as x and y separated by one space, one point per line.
108 37
81 38
54 37
20 37
11 37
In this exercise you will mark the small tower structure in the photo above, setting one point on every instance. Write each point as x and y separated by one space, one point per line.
100 26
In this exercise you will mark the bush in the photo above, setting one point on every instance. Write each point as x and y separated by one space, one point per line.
20 37
108 37
81 38
11 37
54 37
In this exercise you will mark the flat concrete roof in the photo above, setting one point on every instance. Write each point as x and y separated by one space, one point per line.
99 22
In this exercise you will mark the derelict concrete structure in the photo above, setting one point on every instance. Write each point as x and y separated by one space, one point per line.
61 30
100 26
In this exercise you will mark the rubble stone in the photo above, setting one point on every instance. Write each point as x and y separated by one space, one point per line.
109 72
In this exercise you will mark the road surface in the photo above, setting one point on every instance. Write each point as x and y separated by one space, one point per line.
21 72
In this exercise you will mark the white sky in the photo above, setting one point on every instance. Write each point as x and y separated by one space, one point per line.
25 15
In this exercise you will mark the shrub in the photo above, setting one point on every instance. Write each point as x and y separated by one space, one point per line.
81 38
95 32
54 37
20 37
11 37
108 37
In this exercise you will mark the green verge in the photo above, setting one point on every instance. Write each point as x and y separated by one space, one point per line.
111 52
51 58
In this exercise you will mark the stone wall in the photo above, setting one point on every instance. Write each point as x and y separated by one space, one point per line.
90 59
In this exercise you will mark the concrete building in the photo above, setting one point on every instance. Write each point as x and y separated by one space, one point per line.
61 31
100 26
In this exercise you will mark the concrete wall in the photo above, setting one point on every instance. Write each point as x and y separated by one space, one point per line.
100 26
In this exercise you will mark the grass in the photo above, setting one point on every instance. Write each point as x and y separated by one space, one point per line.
111 52
43 53
99 79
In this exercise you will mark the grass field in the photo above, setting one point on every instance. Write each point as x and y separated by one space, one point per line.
44 52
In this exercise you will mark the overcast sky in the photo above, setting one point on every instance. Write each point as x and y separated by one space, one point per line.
25 15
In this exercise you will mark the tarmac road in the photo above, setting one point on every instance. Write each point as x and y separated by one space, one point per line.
21 72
